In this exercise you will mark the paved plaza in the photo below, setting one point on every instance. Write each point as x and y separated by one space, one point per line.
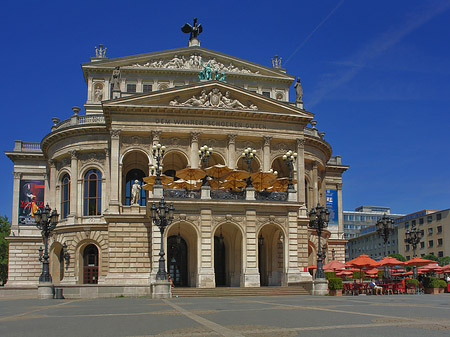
407 315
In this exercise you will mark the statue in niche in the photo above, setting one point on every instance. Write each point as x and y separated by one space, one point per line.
98 94
136 193
116 79
194 30
299 91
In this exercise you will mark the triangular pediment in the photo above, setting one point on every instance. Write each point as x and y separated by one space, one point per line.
210 97
190 59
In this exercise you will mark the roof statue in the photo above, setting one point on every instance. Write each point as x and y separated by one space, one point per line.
100 51
276 62
194 31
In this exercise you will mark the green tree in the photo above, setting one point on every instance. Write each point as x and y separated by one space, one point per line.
399 257
444 260
431 257
5 230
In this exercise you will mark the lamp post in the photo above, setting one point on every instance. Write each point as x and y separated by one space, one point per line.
248 155
204 154
158 151
46 222
289 158
413 237
385 228
162 217
318 220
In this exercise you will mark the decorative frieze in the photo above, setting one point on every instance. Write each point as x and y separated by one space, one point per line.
65 162
92 157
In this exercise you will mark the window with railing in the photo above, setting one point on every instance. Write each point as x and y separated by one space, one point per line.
92 193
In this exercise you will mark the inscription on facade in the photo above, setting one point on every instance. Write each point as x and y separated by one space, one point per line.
231 124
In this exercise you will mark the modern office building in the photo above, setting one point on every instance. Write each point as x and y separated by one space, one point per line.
435 229
182 98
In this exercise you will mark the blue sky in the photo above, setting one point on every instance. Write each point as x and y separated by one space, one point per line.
375 73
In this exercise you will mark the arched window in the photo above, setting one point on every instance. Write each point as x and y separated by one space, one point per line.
65 196
92 193
132 175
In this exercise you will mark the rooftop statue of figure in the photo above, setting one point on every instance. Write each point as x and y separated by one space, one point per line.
194 30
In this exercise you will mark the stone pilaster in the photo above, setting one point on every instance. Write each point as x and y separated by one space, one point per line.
266 153
194 149
73 184
107 176
232 151
205 276
52 183
114 191
15 203
315 183
251 273
300 170
293 273
340 211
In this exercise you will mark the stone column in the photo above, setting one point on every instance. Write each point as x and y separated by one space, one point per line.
106 196
15 203
266 153
231 151
250 252
73 184
301 170
52 184
194 149
340 211
115 148
293 273
205 252
315 182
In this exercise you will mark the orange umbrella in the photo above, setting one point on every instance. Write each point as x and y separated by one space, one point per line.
282 183
217 170
191 173
333 265
189 185
164 179
372 272
418 261
235 185
312 266
362 261
263 178
215 183
235 175
389 261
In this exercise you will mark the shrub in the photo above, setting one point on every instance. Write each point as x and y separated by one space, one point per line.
431 282
358 274
442 284
335 283
330 274
411 280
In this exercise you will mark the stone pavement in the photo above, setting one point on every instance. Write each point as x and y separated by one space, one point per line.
395 315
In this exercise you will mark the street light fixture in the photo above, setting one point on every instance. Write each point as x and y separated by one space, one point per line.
318 220
46 222
248 155
413 237
290 158
162 217
158 151
204 154
385 229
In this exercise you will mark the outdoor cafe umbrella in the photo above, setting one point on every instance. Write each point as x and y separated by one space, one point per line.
333 265
164 179
263 178
389 261
191 173
418 261
312 266
282 183
235 185
372 272
217 170
181 183
235 175
361 262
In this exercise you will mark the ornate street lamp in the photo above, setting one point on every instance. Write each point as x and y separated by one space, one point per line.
248 155
385 228
413 237
162 217
158 151
290 158
204 154
46 222
318 220
332 253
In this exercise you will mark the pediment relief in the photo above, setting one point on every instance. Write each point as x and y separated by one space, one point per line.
189 59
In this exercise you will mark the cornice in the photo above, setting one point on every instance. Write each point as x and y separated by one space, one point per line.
321 144
12 155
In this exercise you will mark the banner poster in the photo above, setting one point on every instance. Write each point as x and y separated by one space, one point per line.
332 205
30 199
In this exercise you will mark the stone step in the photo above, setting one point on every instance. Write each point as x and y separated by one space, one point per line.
238 291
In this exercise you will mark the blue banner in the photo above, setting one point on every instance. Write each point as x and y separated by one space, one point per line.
332 205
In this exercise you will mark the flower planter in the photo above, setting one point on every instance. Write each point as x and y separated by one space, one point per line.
432 291
441 290
336 292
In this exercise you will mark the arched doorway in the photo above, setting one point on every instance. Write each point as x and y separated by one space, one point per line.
57 263
177 260
90 264
271 256
228 255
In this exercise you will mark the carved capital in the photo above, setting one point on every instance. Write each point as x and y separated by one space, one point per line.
194 136
115 133
156 136
267 140
73 154
106 151
339 186
232 138
17 175
51 163
301 143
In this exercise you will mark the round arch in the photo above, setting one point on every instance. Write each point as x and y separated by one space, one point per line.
173 161
271 254
280 166
56 262
255 166
88 264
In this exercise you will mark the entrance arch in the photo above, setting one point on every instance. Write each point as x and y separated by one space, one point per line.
271 255
228 255
182 245
90 264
